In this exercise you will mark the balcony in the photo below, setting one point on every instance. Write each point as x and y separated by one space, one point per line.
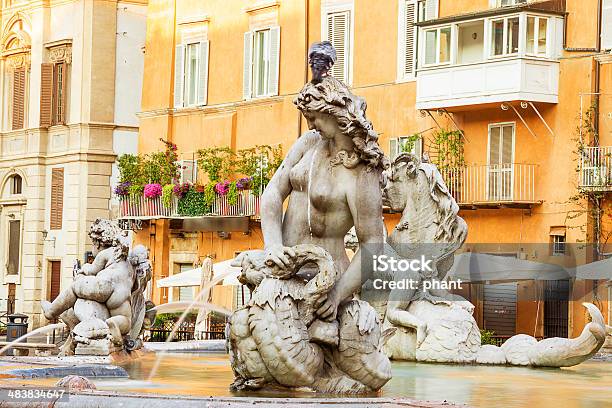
501 55
493 186
596 168
141 208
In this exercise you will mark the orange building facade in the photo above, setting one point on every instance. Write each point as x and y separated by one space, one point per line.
525 86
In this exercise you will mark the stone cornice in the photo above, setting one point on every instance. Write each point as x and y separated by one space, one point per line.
212 109
262 5
58 158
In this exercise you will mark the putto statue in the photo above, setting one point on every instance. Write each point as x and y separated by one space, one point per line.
104 307
302 328
434 325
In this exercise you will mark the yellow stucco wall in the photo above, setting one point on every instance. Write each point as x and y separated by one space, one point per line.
227 120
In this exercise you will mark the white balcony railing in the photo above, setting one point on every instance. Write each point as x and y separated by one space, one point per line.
596 168
246 205
492 184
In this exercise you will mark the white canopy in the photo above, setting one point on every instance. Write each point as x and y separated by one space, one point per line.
475 267
594 271
193 277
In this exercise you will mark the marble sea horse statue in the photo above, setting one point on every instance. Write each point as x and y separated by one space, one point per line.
104 307
438 326
303 328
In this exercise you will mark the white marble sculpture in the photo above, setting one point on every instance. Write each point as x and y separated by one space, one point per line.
303 328
435 326
104 307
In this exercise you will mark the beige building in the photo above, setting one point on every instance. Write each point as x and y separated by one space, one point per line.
70 84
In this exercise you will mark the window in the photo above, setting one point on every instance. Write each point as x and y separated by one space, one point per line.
427 9
338 31
505 3
18 98
500 162
53 88
14 247
402 144
606 28
407 39
189 171
558 245
191 74
438 43
536 35
261 62
16 184
505 36
57 199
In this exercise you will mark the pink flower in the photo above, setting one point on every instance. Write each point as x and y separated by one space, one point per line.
152 190
222 188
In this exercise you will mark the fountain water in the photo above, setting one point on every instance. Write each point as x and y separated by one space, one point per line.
203 294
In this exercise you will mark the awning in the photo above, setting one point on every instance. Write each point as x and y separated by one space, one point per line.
193 277
600 270
474 267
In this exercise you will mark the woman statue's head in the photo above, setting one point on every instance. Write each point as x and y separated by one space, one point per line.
326 98
330 97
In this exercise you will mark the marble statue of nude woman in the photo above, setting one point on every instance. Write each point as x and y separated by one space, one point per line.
331 178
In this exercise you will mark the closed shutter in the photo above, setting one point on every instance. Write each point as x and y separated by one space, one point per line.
203 74
179 75
14 247
18 98
500 173
57 198
338 33
247 74
606 27
56 273
407 39
46 94
431 9
273 68
500 308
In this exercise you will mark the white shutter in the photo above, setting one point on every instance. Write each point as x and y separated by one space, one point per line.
189 170
338 33
179 75
606 27
393 148
247 77
431 9
273 68
407 37
203 74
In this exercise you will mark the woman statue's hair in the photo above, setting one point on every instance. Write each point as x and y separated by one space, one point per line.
329 95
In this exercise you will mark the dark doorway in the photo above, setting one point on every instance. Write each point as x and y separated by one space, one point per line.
10 304
556 300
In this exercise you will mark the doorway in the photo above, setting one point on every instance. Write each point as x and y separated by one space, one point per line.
556 308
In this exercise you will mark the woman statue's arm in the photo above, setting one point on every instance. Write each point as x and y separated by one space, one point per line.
273 198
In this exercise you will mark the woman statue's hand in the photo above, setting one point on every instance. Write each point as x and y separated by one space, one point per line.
279 255
328 307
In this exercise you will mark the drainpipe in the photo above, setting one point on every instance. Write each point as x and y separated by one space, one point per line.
306 35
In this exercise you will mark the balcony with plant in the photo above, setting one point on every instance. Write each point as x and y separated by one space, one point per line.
224 183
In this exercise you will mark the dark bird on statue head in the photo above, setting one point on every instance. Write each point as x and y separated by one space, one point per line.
321 57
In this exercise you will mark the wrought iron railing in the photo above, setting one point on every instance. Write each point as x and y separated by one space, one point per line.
246 204
499 183
596 168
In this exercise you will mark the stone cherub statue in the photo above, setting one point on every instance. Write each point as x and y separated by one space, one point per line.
302 327
435 326
104 307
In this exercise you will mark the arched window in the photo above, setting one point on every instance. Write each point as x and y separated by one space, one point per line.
16 184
